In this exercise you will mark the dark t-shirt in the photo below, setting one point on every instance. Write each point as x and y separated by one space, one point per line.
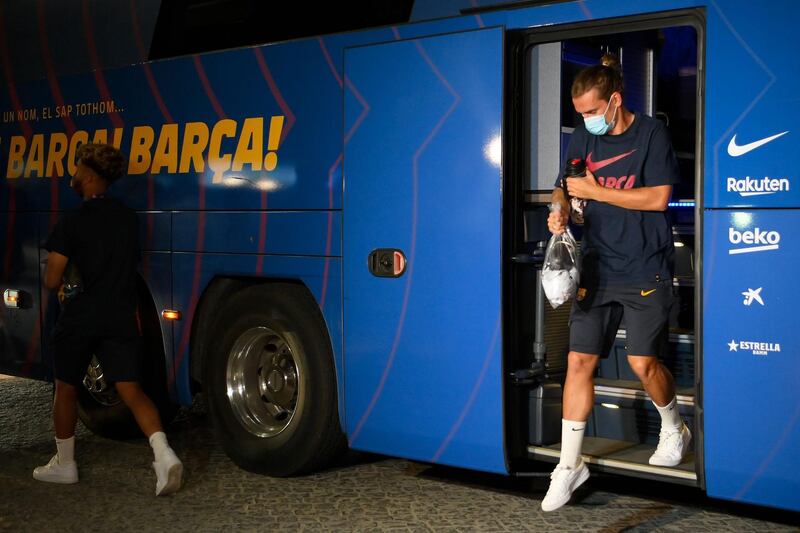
626 246
100 238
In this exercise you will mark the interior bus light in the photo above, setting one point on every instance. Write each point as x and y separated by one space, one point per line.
171 314
610 405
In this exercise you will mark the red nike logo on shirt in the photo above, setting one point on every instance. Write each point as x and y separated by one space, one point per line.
596 165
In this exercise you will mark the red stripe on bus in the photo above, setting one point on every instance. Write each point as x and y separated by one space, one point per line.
201 73
329 60
99 80
276 93
473 395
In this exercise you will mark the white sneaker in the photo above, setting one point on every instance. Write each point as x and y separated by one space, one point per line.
672 447
56 472
169 471
563 482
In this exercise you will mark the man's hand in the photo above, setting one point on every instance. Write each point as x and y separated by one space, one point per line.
584 188
557 222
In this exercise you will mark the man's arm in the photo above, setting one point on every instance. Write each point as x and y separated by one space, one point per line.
641 198
560 198
54 271
557 220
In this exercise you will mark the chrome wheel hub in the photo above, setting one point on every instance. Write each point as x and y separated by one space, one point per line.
262 381
99 388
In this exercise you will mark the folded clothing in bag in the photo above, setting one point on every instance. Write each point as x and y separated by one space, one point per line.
560 275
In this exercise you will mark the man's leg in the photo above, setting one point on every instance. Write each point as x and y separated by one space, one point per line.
578 400
673 441
167 466
142 407
62 467
65 410
655 377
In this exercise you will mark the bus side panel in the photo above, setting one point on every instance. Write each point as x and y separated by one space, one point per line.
422 176
286 233
751 82
20 335
192 272
156 269
751 368
751 357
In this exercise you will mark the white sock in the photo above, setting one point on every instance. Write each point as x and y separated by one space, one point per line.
670 418
571 441
66 449
158 441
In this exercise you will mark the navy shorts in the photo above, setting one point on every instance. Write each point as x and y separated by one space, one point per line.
120 357
597 313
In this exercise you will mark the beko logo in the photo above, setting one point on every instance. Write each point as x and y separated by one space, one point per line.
757 348
753 241
756 187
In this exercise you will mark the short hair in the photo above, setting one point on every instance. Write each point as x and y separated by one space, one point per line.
106 161
605 77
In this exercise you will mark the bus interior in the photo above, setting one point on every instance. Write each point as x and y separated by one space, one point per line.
659 61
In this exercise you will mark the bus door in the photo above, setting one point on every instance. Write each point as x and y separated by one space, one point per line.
422 258
20 335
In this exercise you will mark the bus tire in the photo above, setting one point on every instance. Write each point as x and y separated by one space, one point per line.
101 409
270 382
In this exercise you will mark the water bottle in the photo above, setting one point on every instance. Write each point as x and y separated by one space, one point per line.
575 168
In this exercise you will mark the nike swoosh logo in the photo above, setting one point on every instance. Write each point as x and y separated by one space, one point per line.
577 429
597 165
735 150
647 293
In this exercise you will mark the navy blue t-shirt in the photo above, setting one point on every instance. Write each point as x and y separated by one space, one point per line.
626 246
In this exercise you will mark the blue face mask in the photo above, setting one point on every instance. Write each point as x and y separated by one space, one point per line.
597 125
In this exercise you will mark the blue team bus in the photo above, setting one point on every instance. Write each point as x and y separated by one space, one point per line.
341 237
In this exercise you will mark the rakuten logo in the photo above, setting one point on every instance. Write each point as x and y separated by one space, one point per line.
752 187
753 241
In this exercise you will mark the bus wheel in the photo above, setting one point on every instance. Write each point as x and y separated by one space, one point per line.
270 382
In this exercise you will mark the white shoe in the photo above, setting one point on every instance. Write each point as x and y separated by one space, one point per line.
563 482
169 471
672 447
56 472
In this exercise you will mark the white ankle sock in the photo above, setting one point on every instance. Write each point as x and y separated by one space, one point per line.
670 418
571 441
158 441
66 449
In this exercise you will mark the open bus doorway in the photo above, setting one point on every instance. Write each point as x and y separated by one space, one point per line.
659 61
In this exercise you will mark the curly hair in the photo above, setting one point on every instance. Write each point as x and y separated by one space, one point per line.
605 77
107 161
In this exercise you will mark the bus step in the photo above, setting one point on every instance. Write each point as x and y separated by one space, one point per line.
623 411
621 457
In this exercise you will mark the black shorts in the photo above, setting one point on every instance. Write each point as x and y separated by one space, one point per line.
597 313
120 357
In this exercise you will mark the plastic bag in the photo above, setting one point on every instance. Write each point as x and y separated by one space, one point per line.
560 275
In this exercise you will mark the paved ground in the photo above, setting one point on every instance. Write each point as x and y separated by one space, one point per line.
365 493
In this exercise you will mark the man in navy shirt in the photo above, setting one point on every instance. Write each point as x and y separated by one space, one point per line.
97 246
626 267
